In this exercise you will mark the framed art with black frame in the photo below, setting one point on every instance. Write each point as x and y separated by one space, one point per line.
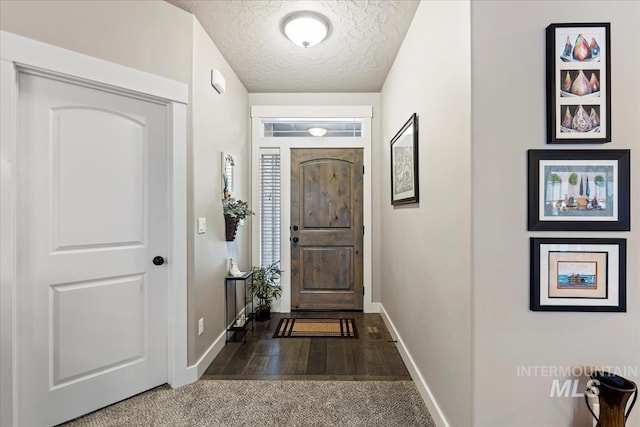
578 83
579 190
578 275
404 164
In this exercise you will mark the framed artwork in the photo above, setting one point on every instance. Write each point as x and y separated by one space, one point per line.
579 190
578 83
404 163
578 274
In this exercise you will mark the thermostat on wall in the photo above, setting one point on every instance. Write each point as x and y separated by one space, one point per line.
217 81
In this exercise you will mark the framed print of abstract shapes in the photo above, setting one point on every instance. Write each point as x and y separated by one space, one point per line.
578 83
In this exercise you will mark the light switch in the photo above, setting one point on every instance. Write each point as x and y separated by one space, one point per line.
202 225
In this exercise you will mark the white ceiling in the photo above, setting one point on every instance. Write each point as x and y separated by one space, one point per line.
356 57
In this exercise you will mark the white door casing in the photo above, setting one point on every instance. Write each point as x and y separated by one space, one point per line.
284 146
93 186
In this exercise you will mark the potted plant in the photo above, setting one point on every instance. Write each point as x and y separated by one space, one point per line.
234 211
265 287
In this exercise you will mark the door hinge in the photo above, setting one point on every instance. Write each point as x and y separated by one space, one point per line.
363 230
363 291
362 169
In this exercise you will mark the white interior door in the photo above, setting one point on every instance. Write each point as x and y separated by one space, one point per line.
92 215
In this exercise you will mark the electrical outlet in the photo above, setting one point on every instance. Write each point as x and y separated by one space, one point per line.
201 326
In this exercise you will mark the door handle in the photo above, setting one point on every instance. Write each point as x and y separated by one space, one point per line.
158 260
295 240
295 228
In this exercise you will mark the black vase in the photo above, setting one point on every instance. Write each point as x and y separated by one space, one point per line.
263 314
613 394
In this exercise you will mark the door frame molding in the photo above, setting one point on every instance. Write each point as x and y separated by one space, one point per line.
20 53
258 142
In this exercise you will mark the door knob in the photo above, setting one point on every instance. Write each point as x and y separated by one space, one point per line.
158 260
295 228
295 240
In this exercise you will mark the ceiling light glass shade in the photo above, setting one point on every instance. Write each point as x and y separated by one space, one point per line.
317 131
305 28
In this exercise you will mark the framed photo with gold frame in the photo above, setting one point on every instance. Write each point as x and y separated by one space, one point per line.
578 274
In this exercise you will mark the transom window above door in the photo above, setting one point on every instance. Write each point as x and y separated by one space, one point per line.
309 127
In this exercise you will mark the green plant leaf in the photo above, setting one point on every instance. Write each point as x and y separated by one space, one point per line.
236 209
265 284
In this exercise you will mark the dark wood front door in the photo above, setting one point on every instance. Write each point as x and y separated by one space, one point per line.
326 229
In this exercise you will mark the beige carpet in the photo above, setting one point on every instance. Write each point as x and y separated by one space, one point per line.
269 403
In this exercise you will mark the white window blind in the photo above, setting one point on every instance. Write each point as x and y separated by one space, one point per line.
269 207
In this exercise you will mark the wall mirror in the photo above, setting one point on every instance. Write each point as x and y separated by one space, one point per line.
227 175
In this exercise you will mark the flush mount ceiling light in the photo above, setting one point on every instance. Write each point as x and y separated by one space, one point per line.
305 28
317 131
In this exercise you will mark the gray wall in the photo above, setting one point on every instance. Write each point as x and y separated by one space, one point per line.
152 36
219 123
508 81
426 247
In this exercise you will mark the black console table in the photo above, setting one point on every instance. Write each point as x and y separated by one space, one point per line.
237 318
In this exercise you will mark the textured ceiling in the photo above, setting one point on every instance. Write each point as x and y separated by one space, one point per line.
356 57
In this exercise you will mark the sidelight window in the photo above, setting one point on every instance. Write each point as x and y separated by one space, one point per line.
269 210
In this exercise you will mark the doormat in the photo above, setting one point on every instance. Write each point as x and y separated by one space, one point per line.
292 328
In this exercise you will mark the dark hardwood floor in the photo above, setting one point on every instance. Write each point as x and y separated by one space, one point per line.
372 356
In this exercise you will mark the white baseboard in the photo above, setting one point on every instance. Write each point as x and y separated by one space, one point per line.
372 307
423 388
195 371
